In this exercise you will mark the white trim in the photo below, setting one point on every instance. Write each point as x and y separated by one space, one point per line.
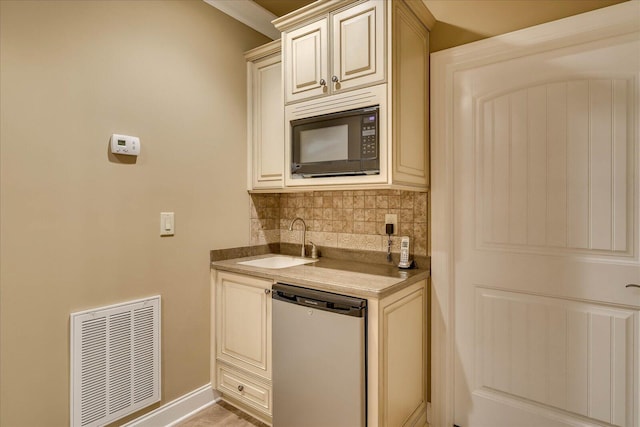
250 14
619 19
178 410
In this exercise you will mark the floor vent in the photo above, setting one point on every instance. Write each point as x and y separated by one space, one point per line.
115 361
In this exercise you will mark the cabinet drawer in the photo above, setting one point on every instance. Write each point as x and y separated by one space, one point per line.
245 389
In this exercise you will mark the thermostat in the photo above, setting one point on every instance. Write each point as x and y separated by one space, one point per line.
125 144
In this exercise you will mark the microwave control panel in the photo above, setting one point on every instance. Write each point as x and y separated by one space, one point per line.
369 145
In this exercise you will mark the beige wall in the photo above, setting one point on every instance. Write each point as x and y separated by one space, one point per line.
80 228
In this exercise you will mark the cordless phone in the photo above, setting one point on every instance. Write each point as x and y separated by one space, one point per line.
404 253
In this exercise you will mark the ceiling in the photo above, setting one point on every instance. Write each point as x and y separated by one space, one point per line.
282 7
464 21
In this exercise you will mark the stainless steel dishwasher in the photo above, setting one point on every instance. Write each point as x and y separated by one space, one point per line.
319 358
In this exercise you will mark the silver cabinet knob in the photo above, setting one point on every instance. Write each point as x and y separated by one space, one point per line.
240 387
334 79
322 82
267 291
632 285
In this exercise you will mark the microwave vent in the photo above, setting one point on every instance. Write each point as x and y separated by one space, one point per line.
324 105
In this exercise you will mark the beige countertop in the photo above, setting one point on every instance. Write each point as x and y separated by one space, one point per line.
354 278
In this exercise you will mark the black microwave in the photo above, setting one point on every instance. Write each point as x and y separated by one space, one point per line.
344 143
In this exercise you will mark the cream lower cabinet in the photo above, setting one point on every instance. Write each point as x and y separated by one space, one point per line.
397 358
243 342
396 350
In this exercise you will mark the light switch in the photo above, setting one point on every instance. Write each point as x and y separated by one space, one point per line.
167 224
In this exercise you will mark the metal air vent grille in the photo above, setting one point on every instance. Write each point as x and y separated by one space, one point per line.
115 361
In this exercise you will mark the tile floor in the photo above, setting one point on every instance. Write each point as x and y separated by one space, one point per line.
221 414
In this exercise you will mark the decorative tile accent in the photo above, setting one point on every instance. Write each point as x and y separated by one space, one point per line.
342 219
320 238
359 241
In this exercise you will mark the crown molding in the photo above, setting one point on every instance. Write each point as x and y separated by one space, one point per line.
271 48
250 14
309 12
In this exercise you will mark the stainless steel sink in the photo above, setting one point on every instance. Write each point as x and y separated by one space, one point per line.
278 261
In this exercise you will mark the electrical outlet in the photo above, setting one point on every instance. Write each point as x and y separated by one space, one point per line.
392 219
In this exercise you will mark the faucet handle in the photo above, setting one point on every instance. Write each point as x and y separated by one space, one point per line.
314 250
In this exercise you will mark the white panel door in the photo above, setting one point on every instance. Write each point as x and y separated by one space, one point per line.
546 238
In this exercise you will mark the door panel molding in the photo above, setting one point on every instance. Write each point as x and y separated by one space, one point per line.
560 354
586 128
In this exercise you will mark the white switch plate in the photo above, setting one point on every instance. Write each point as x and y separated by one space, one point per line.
392 219
167 224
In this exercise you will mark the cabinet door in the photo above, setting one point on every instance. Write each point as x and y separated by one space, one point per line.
410 113
358 46
266 123
305 56
404 364
243 322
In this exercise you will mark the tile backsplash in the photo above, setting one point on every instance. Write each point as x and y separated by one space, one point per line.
341 219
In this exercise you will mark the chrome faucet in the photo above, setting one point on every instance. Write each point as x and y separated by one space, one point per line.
304 232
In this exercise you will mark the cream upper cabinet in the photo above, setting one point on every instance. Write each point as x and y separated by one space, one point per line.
265 130
358 53
306 71
341 51
376 53
409 129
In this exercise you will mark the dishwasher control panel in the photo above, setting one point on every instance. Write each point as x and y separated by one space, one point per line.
327 301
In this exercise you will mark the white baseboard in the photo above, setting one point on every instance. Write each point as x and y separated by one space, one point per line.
177 410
